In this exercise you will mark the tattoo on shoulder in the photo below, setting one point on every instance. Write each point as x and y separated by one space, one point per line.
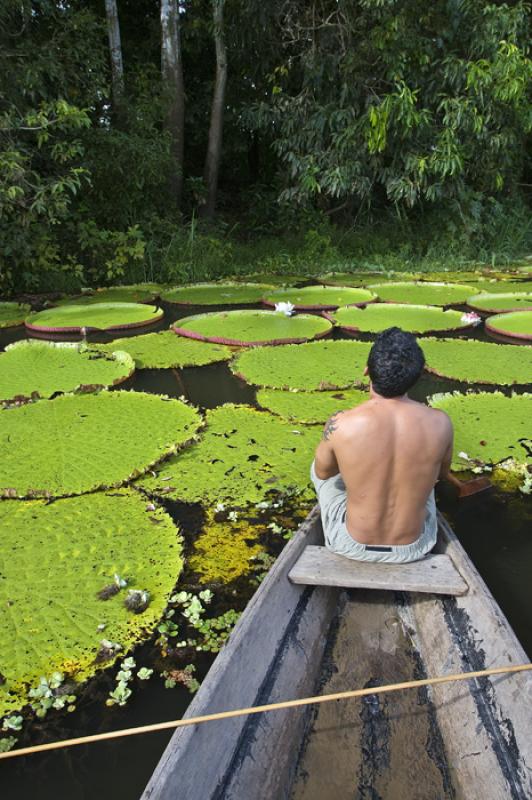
331 425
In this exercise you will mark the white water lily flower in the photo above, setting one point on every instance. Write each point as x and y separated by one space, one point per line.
470 318
285 308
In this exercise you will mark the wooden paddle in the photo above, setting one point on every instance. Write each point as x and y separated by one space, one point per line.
471 487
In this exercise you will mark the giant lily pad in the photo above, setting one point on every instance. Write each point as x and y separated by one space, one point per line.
351 278
77 443
499 286
488 427
495 303
242 456
310 366
223 551
12 314
249 328
165 350
319 297
136 293
472 361
517 324
309 407
55 559
102 316
419 293
416 319
217 294
32 368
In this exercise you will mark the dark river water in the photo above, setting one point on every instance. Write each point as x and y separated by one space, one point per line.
494 527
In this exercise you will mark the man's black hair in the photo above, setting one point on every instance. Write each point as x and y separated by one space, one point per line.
395 362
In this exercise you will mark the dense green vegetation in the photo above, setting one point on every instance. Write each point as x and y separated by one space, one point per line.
324 136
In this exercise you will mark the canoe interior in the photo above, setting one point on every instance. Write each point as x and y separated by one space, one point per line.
464 740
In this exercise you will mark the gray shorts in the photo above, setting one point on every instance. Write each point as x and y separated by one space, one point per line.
332 498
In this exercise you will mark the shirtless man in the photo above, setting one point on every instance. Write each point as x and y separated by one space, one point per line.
376 465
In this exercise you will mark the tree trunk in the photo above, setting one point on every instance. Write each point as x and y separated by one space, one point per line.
174 90
115 50
214 147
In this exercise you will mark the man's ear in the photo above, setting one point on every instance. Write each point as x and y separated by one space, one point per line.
366 370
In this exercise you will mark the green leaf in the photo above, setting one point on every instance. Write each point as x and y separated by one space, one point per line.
309 366
416 319
472 361
246 328
77 443
419 293
243 454
488 426
12 314
31 367
135 293
310 297
102 316
60 556
516 301
309 407
166 349
516 323
206 294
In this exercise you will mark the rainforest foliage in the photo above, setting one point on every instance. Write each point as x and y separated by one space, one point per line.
274 135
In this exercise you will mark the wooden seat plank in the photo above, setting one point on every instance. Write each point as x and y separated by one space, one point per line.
435 574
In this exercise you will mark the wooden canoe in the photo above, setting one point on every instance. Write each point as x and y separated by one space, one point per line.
465 740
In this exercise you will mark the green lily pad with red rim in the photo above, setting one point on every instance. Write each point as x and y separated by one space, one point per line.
515 324
315 298
218 294
245 328
309 408
97 316
32 368
13 314
472 361
415 319
501 303
422 292
135 293
313 366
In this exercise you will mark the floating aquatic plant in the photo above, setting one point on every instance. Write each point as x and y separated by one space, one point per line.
422 293
316 297
77 443
516 324
245 328
99 316
12 314
55 558
34 368
219 294
488 427
494 303
224 550
416 319
472 361
243 454
310 366
309 407
135 293
167 350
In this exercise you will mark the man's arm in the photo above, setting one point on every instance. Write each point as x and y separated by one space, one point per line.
325 462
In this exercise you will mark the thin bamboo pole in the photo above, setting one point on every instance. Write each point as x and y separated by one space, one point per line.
239 712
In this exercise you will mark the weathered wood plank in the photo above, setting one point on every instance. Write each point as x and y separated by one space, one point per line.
436 574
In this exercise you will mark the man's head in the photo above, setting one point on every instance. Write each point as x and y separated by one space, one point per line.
395 362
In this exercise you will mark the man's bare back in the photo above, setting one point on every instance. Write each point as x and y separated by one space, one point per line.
390 452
